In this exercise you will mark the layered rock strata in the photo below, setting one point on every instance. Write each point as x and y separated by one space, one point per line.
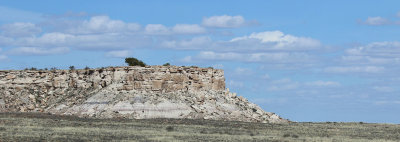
128 92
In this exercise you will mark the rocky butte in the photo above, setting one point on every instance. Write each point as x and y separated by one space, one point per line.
128 92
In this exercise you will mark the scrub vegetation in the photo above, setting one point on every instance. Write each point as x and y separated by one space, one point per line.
46 127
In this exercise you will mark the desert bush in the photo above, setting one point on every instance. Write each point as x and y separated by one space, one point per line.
91 72
71 68
101 70
134 62
169 128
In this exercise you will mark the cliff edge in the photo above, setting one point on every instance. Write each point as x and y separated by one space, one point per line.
128 92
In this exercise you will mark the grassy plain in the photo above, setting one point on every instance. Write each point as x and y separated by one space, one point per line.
45 127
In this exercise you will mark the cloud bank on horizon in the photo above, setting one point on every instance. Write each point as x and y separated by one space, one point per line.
285 71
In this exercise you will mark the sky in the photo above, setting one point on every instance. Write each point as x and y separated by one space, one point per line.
307 60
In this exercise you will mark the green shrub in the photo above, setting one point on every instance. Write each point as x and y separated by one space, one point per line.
71 68
134 62
101 70
166 64
169 128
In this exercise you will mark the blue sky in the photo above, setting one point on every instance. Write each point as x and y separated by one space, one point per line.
304 60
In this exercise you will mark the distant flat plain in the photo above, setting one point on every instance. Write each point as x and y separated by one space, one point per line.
46 127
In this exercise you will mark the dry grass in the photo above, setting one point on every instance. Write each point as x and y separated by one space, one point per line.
44 127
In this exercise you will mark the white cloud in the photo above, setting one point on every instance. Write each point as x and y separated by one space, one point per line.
218 66
322 84
38 51
50 39
105 41
224 21
385 89
387 102
278 40
354 69
374 53
187 59
118 54
209 55
235 84
273 57
256 42
157 29
243 71
194 43
376 21
6 40
109 42
283 85
188 29
19 29
383 49
103 24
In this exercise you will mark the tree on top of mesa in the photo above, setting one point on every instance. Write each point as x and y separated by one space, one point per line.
134 62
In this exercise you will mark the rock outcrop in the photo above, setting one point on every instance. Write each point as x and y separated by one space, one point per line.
128 92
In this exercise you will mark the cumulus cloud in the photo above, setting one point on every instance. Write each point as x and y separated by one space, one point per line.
385 89
278 40
20 29
103 24
188 29
243 71
283 85
235 84
6 40
374 53
256 42
202 42
354 69
83 42
224 21
118 54
383 49
38 51
187 59
157 29
268 57
47 40
376 21
322 84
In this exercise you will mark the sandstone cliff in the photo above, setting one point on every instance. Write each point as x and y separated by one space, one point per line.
128 92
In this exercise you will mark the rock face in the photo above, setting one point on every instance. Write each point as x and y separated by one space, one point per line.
128 92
